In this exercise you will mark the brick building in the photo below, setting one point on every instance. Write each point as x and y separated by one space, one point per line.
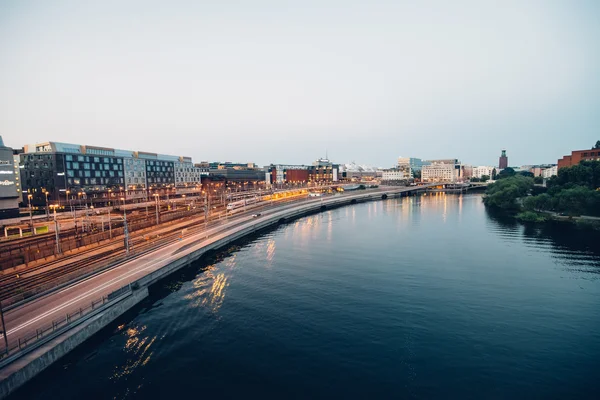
577 156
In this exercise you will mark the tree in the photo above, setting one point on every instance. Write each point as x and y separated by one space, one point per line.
506 172
475 180
485 178
597 146
538 180
526 173
494 173
504 193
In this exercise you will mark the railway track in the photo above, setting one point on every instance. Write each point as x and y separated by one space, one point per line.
46 276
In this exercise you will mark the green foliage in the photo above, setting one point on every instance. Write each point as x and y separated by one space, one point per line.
475 180
531 216
538 180
526 173
573 191
597 146
485 178
506 173
494 174
504 193
543 202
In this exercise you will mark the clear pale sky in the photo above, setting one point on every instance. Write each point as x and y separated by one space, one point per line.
279 81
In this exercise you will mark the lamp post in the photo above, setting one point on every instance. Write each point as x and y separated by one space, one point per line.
29 196
47 211
156 196
56 230
125 229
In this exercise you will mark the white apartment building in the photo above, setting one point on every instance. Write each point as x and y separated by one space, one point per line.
394 174
186 174
441 172
480 171
550 172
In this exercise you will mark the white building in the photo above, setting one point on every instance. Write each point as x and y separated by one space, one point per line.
442 172
549 172
186 174
480 171
394 174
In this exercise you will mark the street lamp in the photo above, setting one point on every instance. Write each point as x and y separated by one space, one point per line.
29 197
56 229
47 212
156 197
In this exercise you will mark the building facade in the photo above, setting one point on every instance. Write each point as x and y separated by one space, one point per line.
415 164
9 197
480 171
395 174
503 161
63 173
550 172
577 156
442 171
321 171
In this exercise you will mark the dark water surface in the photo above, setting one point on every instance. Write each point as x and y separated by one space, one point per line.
423 297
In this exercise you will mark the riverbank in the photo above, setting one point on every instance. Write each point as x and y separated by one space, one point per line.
148 270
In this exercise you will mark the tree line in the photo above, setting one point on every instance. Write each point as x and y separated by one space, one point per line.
574 191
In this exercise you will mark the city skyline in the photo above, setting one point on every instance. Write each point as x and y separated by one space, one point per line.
273 83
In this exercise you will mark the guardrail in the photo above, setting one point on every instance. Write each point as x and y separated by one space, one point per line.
44 333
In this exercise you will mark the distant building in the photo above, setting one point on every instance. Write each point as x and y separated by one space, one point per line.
467 171
550 172
65 172
448 170
354 171
322 170
395 174
9 197
480 171
577 156
415 164
503 162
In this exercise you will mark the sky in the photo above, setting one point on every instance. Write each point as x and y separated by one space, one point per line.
288 82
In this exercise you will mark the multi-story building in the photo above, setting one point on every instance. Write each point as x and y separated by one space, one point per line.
415 164
395 174
9 197
550 172
577 156
480 171
62 172
322 171
448 170
503 161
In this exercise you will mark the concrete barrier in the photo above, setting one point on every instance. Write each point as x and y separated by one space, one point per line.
25 368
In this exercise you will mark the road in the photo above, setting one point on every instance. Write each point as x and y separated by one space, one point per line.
25 319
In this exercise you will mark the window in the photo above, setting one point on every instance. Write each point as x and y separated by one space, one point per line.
70 173
87 174
80 158
106 166
96 159
97 174
75 165
86 165
69 157
106 160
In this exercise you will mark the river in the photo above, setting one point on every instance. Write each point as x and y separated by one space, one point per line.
420 297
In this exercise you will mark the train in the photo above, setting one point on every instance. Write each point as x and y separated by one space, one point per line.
242 203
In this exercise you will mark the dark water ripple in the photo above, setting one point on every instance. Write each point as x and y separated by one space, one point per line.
422 297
